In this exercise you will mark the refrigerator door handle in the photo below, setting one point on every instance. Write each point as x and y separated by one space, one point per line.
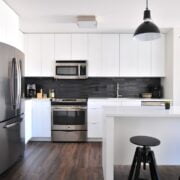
12 82
19 74
11 125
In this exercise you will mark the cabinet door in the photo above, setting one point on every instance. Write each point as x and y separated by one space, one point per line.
94 54
158 57
33 55
62 46
128 55
47 55
144 58
41 118
110 55
79 46
28 120
94 122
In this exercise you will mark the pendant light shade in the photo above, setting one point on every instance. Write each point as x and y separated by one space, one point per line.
147 31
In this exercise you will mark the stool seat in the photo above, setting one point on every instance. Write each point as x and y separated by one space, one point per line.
144 141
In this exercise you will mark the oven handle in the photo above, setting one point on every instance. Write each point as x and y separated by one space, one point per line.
69 108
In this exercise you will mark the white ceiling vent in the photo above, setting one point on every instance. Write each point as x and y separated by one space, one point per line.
86 22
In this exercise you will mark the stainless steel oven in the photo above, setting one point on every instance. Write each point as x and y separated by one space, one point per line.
69 120
71 70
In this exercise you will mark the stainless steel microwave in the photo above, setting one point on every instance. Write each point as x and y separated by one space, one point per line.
71 70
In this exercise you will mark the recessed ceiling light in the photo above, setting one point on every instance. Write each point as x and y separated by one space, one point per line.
87 22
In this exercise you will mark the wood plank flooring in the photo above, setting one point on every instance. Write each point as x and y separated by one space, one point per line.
70 161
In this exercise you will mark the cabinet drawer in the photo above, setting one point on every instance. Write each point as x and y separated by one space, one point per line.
69 136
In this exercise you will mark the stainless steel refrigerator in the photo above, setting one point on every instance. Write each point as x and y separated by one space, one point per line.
11 106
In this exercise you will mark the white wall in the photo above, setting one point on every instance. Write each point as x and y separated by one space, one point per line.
9 27
176 66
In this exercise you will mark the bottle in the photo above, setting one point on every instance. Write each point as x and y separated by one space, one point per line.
52 93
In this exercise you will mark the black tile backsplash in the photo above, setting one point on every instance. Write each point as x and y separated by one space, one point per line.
94 87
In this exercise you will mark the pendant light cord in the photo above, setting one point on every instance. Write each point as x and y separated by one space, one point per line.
146 4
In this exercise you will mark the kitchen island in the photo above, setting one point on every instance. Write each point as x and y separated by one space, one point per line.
121 123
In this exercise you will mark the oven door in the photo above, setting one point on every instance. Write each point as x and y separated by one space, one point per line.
69 118
67 71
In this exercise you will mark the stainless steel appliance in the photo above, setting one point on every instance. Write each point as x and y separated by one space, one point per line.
11 106
69 120
31 90
71 70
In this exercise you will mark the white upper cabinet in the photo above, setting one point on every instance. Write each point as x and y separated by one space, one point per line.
47 55
39 50
144 58
128 55
33 62
158 56
110 55
94 54
62 47
79 46
141 59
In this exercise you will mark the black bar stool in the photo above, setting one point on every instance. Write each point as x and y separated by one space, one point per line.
143 154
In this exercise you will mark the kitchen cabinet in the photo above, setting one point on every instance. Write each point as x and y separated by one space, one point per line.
28 120
158 56
142 59
39 50
41 119
62 47
33 55
95 122
110 55
95 114
94 54
128 55
79 46
47 55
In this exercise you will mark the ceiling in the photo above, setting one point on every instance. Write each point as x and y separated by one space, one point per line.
112 15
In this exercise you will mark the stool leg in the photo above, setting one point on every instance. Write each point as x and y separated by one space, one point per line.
153 166
131 173
138 165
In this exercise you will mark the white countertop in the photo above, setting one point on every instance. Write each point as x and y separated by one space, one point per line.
124 99
144 111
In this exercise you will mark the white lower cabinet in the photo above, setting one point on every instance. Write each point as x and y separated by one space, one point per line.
28 120
95 114
95 122
41 119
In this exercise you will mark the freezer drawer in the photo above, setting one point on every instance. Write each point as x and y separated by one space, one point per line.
11 143
69 136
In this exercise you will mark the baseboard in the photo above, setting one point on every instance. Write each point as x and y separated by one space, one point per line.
40 139
94 140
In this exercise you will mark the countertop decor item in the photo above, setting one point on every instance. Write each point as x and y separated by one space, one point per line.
147 31
167 105
146 95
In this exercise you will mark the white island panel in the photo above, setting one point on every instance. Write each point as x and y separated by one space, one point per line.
121 123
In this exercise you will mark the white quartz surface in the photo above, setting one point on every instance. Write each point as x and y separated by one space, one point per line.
143 111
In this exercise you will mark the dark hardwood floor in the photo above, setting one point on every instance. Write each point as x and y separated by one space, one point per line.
70 161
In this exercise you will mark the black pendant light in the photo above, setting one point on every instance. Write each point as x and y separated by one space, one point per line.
147 31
